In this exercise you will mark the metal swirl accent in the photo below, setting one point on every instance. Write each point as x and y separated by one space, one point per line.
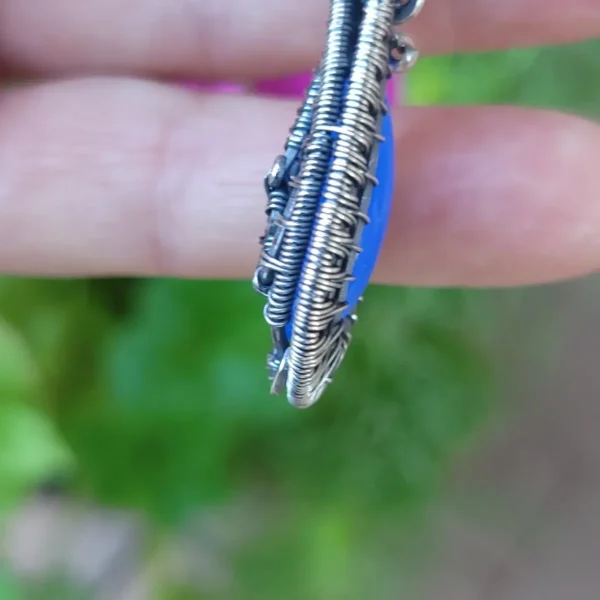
407 9
319 192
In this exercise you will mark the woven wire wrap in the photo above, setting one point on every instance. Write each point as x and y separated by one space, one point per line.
319 192
306 186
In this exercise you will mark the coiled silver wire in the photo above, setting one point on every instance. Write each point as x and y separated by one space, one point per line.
318 341
306 187
277 188
319 192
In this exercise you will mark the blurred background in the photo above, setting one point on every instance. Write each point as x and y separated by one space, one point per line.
457 454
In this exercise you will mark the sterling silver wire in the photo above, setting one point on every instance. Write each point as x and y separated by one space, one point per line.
319 192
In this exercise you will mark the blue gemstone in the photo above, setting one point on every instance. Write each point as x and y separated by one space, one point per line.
379 210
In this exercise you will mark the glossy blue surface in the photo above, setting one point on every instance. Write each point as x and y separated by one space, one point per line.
380 207
373 234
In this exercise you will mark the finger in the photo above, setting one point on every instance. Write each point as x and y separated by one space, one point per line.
246 40
111 177
491 196
447 26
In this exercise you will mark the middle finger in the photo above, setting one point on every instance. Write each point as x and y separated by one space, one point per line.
248 40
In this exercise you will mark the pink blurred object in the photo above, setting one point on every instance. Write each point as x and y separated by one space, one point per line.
293 86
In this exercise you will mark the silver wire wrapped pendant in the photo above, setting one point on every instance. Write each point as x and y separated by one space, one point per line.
329 197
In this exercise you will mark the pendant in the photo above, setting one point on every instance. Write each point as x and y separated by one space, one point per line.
329 197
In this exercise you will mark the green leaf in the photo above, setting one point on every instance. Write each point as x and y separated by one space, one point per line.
19 374
30 451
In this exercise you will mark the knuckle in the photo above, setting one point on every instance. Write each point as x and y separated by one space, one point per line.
170 179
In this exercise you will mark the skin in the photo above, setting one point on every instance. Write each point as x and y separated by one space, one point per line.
106 171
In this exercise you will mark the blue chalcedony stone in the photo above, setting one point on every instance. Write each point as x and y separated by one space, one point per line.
378 212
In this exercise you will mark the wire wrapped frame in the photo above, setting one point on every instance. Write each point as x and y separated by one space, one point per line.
321 194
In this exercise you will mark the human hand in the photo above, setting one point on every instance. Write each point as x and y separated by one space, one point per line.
106 172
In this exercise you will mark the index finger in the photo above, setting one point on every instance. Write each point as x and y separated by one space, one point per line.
169 183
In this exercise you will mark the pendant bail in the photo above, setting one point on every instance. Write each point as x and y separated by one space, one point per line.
407 9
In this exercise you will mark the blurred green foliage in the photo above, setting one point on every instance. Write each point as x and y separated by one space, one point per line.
9 587
163 401
153 394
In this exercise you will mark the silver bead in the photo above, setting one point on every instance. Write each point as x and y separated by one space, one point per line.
403 53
